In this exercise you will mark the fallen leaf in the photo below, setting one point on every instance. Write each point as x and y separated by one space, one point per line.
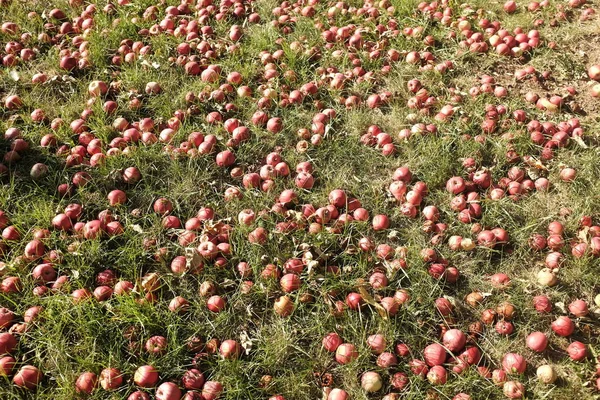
370 300
579 141
192 258
246 342
14 75
137 228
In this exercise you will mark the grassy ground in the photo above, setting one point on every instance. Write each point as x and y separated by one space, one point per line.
71 338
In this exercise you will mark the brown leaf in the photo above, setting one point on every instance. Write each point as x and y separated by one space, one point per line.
193 259
370 300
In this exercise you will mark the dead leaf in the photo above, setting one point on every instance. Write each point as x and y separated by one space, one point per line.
154 65
351 249
583 233
579 141
14 75
389 269
192 258
137 228
311 265
246 342
370 300
228 283
150 281
533 173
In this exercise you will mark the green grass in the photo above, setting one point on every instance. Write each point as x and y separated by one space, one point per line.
72 338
